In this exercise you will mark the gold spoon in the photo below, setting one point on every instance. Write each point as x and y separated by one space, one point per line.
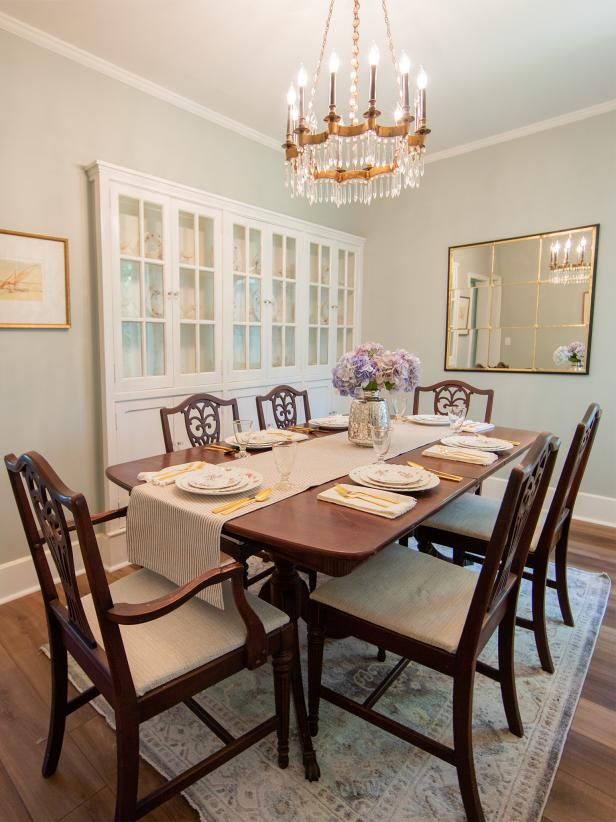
373 498
263 495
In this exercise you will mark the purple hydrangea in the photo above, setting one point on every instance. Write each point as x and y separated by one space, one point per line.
371 368
573 353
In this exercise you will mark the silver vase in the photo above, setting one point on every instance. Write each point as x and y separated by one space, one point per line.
369 410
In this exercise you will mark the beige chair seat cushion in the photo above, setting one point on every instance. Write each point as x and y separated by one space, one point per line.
407 592
473 516
190 636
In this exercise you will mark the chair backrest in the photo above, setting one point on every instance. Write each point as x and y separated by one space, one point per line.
201 413
509 545
284 406
454 393
563 501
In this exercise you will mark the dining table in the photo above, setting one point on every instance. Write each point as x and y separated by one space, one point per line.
303 531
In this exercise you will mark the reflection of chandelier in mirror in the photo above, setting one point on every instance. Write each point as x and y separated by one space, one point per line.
566 272
358 161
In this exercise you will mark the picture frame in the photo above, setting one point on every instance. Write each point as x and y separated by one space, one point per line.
34 280
462 310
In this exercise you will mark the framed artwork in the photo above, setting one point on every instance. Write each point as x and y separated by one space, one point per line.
34 281
462 309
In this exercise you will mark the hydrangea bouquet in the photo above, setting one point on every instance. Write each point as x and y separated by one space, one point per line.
369 367
574 354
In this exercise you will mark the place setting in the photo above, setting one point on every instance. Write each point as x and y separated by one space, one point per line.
333 422
244 438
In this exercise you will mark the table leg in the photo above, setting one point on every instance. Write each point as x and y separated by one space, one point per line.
290 594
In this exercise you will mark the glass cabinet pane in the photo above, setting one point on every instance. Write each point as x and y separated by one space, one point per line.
291 260
277 300
130 289
341 267
206 242
312 346
350 278
340 343
152 231
239 299
290 303
324 318
131 349
206 295
154 349
239 347
324 346
254 313
254 352
207 351
154 291
314 263
277 346
289 346
350 307
277 262
188 348
130 235
255 252
187 238
239 248
188 297
313 309
325 264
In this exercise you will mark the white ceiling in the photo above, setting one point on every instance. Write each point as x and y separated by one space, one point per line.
492 65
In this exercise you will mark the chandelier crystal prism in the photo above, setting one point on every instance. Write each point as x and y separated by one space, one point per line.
362 159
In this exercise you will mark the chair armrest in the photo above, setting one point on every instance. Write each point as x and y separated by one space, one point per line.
125 613
98 519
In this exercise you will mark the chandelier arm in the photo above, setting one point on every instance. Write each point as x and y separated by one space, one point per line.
392 50
317 71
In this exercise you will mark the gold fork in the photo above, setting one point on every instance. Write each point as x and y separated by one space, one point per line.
165 474
440 474
373 498
229 507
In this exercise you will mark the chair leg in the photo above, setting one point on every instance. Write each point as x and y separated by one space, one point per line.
282 692
458 556
59 696
381 654
539 583
424 545
312 580
127 762
316 641
560 561
463 743
506 668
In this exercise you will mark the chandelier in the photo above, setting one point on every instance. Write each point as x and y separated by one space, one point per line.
567 272
362 159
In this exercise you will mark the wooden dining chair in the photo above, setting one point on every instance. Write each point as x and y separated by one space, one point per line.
467 523
454 393
201 413
439 615
283 399
145 643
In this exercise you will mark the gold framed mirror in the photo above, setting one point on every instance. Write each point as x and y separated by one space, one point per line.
522 304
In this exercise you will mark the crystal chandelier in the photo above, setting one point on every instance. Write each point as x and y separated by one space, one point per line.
567 272
361 160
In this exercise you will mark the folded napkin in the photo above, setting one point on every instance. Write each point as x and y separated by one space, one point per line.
461 454
333 419
471 427
271 435
168 475
400 504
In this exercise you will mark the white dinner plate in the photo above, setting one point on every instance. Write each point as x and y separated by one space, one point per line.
217 478
388 474
261 440
477 442
428 419
431 481
337 422
253 480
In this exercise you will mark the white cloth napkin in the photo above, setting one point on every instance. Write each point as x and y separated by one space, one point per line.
461 454
400 504
168 475
334 419
471 427
272 435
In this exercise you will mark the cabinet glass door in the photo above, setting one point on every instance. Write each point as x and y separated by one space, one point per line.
319 300
345 314
284 301
143 321
247 271
197 293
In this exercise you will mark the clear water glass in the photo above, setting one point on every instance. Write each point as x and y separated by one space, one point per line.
457 415
243 432
398 403
284 457
381 441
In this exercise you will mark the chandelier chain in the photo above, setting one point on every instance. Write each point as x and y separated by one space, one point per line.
353 108
390 42
317 71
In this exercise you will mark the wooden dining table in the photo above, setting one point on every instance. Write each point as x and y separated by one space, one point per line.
304 531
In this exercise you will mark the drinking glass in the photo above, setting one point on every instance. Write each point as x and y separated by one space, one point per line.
284 457
243 432
457 415
381 440
398 402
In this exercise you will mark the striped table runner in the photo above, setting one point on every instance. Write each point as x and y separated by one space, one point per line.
175 533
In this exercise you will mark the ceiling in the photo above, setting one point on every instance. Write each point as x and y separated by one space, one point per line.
492 65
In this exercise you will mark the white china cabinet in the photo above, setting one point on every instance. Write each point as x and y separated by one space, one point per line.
201 293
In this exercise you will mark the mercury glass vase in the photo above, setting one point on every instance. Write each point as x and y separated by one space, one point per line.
367 411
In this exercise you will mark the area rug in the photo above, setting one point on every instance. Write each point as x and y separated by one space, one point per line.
367 774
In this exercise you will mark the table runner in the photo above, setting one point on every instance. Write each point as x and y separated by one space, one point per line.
175 533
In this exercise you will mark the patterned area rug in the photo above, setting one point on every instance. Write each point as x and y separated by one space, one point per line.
369 774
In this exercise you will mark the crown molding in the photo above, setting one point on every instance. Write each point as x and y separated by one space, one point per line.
129 78
85 58
523 131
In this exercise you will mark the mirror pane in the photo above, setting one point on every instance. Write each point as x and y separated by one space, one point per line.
516 261
563 304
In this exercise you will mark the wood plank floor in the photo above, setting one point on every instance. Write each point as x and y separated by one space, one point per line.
82 790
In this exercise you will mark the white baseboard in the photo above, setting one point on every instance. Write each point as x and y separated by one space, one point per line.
18 578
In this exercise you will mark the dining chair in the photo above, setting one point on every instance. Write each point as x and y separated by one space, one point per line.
201 413
440 616
454 393
283 399
466 525
145 643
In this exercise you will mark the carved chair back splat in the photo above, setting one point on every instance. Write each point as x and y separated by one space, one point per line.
284 400
201 413
456 394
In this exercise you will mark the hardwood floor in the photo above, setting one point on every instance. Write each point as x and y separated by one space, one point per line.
82 790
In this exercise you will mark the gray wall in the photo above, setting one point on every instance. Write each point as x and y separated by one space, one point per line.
555 179
56 117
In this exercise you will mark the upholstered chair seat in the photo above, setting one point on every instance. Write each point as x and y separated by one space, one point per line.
404 591
181 641
474 517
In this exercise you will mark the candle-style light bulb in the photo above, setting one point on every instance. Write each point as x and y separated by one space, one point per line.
334 65
422 78
420 115
398 114
291 95
302 79
374 61
405 67
405 63
567 250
